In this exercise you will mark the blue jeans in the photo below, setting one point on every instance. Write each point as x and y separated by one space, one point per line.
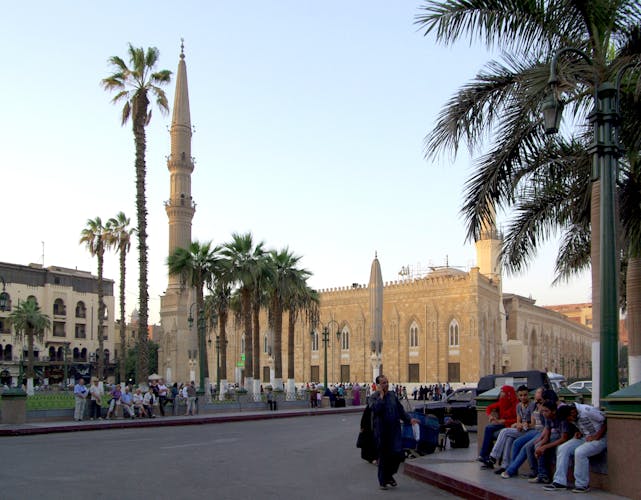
582 451
488 436
519 451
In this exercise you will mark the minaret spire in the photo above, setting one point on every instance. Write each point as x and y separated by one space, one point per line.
178 349
180 207
375 287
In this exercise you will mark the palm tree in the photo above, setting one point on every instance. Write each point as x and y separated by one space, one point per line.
118 235
260 299
286 280
302 299
28 319
220 298
195 266
133 85
94 236
245 263
524 169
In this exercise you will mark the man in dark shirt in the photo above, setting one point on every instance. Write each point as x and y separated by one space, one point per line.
388 412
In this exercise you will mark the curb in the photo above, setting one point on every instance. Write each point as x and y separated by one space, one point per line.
170 421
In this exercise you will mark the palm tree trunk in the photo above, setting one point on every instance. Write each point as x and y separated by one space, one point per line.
293 314
139 120
247 324
256 339
633 294
222 328
100 253
30 356
202 345
123 348
278 338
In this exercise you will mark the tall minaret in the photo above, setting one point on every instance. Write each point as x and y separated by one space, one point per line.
177 354
376 316
488 253
488 248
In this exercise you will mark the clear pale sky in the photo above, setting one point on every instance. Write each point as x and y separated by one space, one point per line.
309 123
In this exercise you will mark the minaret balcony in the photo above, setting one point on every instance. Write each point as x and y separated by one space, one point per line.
182 201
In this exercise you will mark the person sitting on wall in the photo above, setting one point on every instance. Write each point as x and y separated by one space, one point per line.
500 415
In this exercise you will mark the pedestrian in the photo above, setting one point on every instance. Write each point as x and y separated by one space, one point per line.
95 401
191 398
356 394
80 393
388 412
163 390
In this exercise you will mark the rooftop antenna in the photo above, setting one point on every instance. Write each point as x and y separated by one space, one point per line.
43 253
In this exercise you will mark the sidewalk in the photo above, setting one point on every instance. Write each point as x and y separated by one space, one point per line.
207 418
457 471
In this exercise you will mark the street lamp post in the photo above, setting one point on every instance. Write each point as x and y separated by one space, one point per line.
605 151
218 346
202 352
325 334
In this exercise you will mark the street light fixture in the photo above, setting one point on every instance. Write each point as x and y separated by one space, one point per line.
202 351
325 334
605 151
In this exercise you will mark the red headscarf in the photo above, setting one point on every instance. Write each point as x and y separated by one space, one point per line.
506 405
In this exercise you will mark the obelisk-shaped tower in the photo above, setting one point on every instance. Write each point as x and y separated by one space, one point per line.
375 287
178 352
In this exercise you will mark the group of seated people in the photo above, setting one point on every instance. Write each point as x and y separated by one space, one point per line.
545 432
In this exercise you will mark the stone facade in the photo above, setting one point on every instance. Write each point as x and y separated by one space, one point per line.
70 299
445 326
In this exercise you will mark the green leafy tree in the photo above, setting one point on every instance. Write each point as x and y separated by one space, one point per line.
245 263
133 85
28 319
132 361
285 279
94 236
545 182
195 266
118 235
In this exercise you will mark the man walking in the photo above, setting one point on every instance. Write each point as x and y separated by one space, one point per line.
388 412
80 394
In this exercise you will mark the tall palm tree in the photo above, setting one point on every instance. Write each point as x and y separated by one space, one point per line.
195 266
118 235
302 299
245 261
260 300
28 319
133 85
503 103
286 280
94 236
221 298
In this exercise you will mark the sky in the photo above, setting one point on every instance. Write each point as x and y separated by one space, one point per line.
309 120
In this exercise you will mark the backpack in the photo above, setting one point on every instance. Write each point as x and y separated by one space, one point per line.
457 433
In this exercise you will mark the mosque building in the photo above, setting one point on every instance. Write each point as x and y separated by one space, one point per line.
447 325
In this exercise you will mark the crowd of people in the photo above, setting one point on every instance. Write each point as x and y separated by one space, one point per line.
130 402
547 433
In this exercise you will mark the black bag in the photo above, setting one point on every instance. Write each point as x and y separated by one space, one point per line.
457 434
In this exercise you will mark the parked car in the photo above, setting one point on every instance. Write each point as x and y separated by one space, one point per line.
581 385
459 405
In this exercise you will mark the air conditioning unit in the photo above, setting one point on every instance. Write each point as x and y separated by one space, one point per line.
92 356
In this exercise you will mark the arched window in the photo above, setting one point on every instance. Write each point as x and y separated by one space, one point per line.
33 299
76 354
242 344
265 344
345 339
8 353
83 354
81 310
414 334
315 341
106 352
59 308
454 334
5 301
52 353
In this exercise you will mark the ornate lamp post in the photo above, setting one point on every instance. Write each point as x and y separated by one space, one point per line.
218 346
202 352
325 333
605 151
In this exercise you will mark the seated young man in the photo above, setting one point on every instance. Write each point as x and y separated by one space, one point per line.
588 441
503 445
557 431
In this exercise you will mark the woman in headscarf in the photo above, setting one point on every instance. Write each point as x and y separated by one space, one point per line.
500 415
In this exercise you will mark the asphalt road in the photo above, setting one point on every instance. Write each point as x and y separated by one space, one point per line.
295 458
